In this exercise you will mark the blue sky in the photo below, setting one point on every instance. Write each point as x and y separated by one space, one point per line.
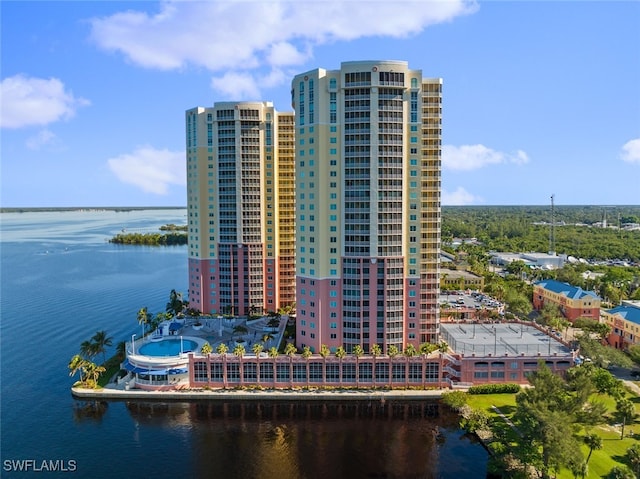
540 98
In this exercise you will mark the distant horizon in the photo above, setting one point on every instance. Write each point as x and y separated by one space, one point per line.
7 209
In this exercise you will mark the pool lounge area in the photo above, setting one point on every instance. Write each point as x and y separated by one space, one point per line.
159 362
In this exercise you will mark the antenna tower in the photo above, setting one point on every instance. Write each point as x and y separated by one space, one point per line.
552 239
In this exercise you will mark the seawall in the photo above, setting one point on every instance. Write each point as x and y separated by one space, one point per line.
258 395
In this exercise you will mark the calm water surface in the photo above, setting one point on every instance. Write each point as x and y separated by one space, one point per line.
61 281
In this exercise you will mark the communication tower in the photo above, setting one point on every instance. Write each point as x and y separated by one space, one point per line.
552 225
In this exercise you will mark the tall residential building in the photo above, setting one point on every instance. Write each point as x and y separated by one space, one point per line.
368 161
241 208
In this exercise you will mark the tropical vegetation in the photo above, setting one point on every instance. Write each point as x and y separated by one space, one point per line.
581 426
526 228
150 239
82 363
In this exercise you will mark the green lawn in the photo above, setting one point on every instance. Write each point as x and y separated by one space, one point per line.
614 449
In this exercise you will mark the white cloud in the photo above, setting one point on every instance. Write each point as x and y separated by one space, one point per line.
284 53
240 86
235 85
459 197
42 139
472 157
151 170
631 151
241 35
28 101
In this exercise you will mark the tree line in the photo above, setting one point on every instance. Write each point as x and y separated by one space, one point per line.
526 228
150 239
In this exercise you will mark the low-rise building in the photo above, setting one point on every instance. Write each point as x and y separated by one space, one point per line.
501 352
625 324
460 279
574 302
532 260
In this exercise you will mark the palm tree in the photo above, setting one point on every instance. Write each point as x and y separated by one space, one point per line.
77 364
392 352
290 350
443 347
239 352
306 354
88 349
257 350
357 352
274 322
239 330
155 321
267 337
626 411
273 354
593 441
425 349
409 352
324 352
101 341
376 351
120 350
222 350
175 304
93 372
206 349
143 318
340 354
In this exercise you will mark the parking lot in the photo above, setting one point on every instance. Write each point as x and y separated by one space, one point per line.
470 300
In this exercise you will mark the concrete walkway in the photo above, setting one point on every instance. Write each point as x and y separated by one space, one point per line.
115 392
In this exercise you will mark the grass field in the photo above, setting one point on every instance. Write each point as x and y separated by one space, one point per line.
614 449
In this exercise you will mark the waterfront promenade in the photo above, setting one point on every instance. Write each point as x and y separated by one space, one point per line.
113 391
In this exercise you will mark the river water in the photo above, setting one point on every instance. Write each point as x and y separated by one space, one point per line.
61 281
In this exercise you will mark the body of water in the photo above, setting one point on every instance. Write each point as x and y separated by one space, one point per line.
61 281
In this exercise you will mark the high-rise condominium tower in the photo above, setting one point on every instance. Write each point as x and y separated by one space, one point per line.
241 208
368 149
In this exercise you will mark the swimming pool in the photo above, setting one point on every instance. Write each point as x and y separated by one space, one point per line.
167 347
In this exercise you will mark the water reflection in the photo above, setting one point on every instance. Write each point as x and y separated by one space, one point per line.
320 440
92 411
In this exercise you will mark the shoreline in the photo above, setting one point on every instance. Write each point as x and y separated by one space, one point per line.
257 395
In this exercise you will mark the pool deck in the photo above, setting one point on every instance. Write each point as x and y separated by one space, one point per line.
118 392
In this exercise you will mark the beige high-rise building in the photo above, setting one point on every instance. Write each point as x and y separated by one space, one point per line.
241 208
368 162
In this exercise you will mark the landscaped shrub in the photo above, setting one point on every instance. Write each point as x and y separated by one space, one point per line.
494 389
456 400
